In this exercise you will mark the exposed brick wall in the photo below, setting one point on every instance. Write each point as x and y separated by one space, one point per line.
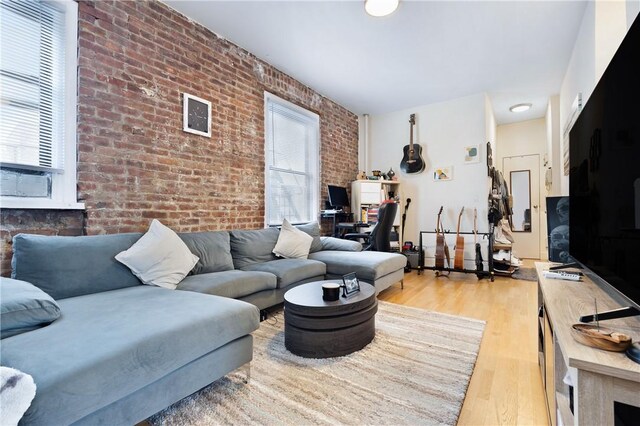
134 161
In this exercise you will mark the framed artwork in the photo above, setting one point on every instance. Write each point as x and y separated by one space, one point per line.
350 284
472 154
196 115
441 174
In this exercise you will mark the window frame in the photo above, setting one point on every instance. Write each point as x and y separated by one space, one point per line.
64 181
314 119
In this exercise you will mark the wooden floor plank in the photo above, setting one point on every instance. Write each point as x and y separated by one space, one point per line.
506 387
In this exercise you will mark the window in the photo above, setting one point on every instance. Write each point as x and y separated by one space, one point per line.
38 61
292 162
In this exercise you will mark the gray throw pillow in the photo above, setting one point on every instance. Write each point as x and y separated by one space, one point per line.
212 247
24 307
313 229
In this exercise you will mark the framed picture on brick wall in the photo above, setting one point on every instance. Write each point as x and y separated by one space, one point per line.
196 115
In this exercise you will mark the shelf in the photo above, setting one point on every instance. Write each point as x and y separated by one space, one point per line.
501 246
386 182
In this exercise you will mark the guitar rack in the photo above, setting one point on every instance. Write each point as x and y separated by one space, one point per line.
480 274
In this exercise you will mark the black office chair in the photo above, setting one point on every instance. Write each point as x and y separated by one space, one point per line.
379 239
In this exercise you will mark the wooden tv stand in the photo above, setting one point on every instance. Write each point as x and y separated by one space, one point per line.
599 378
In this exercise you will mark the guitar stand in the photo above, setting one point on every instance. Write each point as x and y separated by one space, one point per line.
439 271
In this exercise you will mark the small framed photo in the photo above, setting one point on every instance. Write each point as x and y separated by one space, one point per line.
444 173
351 284
196 115
472 154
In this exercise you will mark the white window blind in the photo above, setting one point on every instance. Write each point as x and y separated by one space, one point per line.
292 157
32 83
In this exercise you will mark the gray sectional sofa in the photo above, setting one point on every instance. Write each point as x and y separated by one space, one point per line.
122 351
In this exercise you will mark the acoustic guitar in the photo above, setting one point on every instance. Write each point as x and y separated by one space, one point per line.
479 265
407 266
458 260
412 161
439 244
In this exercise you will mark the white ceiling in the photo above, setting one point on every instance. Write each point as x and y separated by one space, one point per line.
426 52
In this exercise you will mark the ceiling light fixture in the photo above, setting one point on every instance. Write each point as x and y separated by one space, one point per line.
519 107
380 7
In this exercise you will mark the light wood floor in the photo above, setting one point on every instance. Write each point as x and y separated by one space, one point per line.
506 387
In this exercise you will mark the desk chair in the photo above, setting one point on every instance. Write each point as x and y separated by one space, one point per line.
379 239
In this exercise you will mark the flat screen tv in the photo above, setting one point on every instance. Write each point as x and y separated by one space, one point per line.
338 197
604 181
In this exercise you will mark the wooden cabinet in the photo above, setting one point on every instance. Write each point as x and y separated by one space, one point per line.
599 378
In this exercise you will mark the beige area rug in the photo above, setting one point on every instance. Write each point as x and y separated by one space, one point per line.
415 371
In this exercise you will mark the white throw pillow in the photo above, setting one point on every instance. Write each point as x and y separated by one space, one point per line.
17 390
159 257
292 242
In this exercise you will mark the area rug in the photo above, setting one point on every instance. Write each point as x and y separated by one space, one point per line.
415 371
527 274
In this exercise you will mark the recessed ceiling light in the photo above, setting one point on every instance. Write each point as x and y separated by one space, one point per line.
380 7
519 107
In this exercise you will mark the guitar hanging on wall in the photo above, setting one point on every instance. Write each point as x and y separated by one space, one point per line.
412 161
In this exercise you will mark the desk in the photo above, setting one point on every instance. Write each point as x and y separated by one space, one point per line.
346 227
335 218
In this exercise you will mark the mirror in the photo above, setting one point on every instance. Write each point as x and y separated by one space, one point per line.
521 193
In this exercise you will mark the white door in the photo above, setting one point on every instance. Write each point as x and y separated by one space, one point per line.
522 174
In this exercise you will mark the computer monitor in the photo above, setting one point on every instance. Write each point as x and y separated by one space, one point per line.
338 197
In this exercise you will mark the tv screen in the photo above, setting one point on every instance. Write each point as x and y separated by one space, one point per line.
338 197
604 182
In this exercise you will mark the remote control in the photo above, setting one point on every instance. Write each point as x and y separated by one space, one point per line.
560 275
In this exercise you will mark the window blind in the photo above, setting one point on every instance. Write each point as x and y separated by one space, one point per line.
32 84
292 165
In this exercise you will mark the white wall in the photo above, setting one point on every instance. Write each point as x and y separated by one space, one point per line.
527 138
604 25
554 156
442 130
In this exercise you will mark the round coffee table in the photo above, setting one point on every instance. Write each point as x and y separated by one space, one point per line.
314 328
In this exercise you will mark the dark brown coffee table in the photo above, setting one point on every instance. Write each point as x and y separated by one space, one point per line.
314 328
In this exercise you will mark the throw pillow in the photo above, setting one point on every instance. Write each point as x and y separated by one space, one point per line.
313 229
24 307
292 242
17 390
159 257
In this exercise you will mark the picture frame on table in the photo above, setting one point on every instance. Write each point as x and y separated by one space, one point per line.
351 284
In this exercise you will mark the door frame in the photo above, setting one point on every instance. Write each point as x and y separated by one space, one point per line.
541 246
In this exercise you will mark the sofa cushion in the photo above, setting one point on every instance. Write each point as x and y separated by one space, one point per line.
292 243
159 257
24 307
71 266
108 345
331 243
289 271
212 248
232 284
253 246
313 229
368 265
